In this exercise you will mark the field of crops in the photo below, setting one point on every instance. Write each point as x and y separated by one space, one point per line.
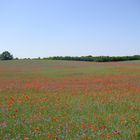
67 100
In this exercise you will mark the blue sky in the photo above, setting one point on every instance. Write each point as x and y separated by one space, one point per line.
33 28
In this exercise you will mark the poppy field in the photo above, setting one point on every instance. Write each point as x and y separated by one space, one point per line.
69 100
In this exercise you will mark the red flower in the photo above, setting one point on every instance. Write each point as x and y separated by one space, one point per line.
16 110
27 98
8 103
49 135
36 129
84 125
104 127
108 135
89 125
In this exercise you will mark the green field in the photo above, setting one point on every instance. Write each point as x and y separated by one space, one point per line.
69 100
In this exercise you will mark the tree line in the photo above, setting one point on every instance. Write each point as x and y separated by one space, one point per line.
97 58
8 56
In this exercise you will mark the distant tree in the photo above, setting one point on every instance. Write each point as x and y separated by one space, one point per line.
6 56
16 58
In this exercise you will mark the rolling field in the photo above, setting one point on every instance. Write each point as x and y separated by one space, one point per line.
69 100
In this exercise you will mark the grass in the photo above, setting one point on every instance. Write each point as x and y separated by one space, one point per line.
67 100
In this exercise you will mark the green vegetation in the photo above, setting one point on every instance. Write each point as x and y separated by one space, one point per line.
69 100
6 56
97 58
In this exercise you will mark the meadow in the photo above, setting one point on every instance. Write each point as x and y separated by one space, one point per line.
69 100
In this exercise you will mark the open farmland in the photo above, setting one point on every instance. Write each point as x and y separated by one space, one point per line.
69 100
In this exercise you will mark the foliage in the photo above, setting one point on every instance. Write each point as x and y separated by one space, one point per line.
97 58
6 56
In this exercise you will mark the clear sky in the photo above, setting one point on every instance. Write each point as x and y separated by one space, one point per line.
33 28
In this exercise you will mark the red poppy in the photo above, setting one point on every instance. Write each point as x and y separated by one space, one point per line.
36 129
49 135
16 110
84 125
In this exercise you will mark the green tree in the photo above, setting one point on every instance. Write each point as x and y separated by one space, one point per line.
6 56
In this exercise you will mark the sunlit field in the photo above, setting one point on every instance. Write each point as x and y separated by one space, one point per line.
67 100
